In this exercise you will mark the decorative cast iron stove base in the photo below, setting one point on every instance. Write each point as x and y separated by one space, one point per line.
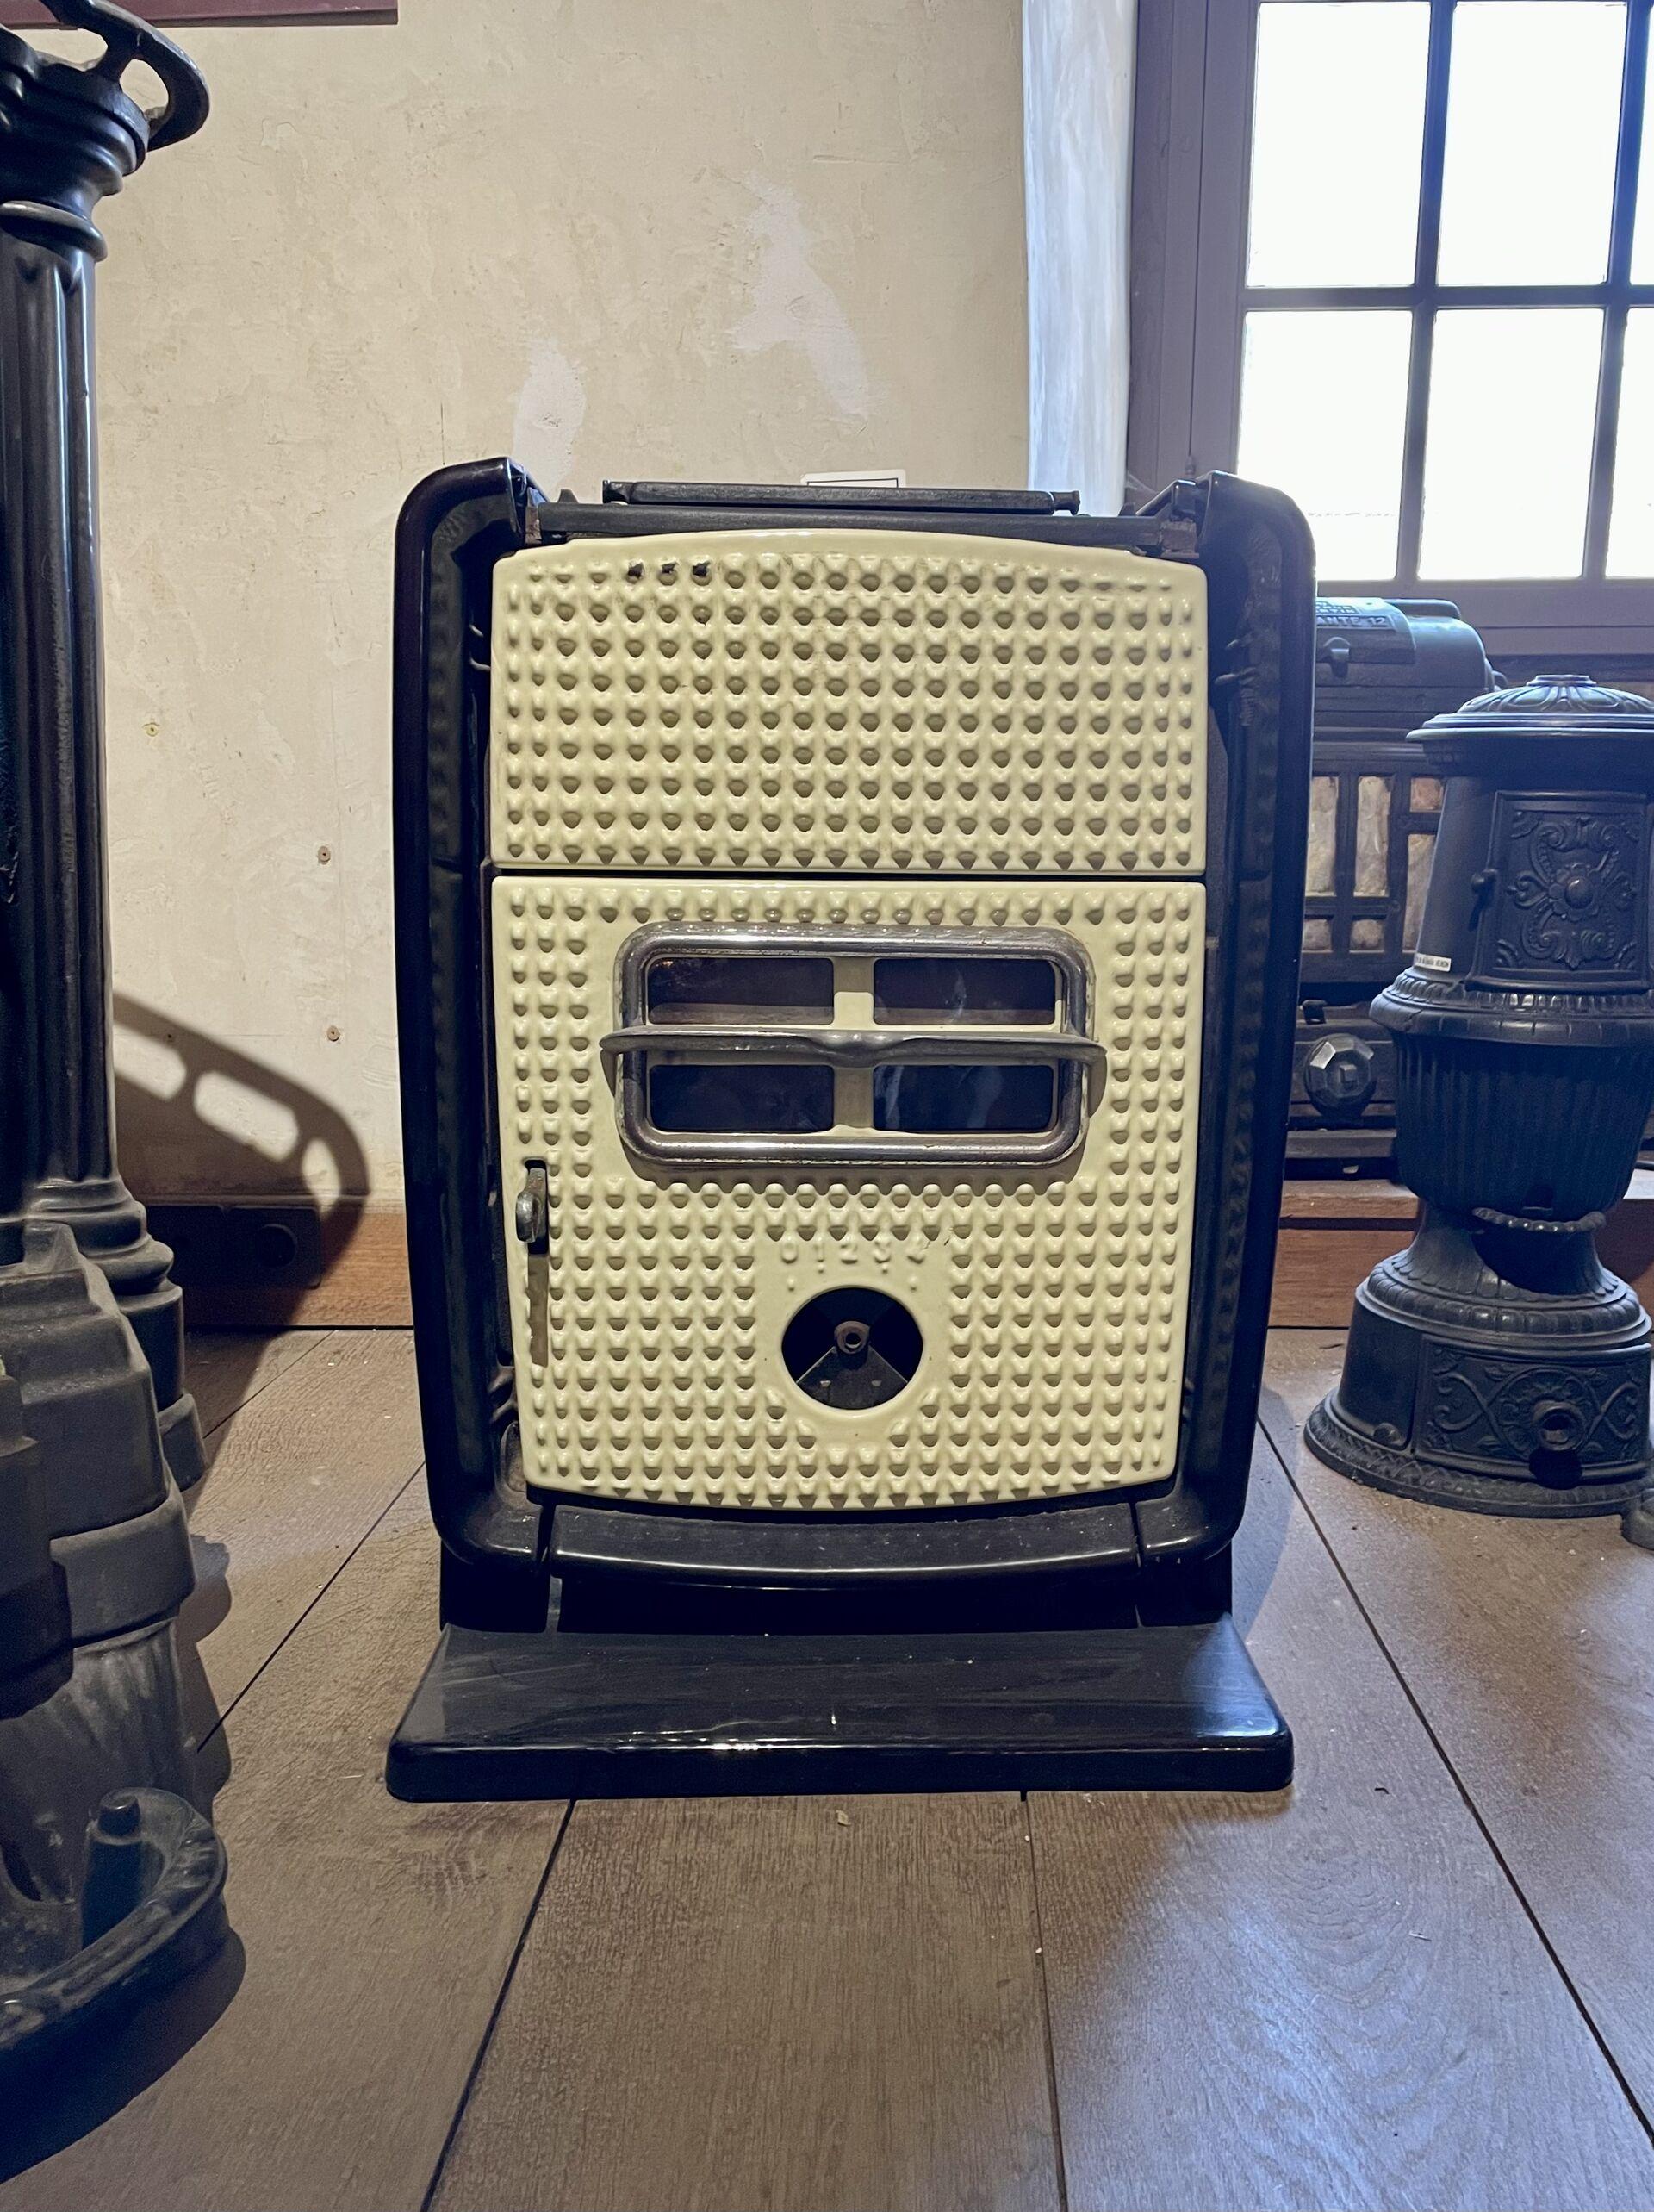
1495 1365
1381 1468
572 1713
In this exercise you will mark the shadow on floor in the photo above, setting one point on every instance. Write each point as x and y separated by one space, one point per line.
202 1117
1258 1543
68 2099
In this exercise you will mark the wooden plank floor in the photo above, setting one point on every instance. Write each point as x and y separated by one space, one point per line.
1424 1977
1342 1977
1529 1649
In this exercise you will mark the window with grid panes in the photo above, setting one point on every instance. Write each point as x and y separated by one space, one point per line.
1412 271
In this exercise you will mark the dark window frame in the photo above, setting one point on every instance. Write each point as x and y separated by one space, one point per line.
1190 181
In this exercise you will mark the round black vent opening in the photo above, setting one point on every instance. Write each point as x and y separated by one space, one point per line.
852 1348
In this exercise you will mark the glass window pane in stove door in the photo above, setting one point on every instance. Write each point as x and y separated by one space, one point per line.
931 1098
737 1098
925 989
738 989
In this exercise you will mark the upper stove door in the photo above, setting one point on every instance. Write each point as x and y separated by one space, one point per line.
846 698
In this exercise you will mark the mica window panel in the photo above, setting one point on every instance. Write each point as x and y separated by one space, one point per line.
1323 835
1420 850
1372 836
1424 795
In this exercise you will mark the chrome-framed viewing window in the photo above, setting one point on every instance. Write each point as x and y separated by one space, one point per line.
750 1045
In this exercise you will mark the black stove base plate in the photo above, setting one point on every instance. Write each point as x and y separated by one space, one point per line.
569 1713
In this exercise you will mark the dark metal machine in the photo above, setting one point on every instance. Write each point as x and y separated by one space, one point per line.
98 1434
1496 1364
1382 668
847 954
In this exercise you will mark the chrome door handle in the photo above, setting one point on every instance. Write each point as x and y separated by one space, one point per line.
855 1048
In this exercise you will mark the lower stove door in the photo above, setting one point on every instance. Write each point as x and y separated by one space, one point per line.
756 1257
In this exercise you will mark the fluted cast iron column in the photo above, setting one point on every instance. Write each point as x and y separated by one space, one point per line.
68 136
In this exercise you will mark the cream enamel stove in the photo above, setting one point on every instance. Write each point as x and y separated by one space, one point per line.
847 976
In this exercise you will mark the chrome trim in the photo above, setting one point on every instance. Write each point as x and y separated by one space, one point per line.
1080 1061
722 940
850 1048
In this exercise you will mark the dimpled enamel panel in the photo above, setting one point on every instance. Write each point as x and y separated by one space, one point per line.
1053 1303
847 699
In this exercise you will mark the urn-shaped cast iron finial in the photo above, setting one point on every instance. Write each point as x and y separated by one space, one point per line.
1496 1364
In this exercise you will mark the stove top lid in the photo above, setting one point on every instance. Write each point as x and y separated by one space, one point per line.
1548 706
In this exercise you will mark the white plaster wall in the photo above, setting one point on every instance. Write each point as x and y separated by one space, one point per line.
1077 76
707 238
